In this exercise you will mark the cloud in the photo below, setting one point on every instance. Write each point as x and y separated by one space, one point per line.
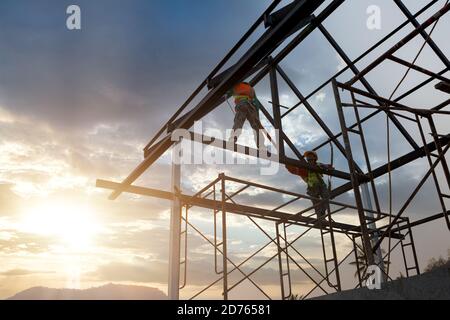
21 242
10 203
21 272
200 273
321 96
76 107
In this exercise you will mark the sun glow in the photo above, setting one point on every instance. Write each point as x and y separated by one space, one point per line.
73 224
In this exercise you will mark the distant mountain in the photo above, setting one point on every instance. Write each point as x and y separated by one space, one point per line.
106 292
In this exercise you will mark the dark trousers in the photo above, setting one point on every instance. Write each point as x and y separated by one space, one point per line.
246 111
320 192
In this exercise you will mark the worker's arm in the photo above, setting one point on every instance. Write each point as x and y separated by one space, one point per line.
325 166
302 172
291 169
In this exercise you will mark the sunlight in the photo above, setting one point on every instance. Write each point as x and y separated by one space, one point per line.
72 223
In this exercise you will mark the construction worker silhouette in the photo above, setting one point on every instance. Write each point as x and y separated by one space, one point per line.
247 108
316 187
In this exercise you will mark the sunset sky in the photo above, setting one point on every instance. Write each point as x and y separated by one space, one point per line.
76 106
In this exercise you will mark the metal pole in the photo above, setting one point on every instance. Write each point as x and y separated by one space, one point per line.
224 239
354 181
371 225
276 108
280 263
175 230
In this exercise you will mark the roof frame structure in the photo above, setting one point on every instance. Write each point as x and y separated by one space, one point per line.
300 18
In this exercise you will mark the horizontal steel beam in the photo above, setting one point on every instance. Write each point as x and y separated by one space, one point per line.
219 66
395 164
422 221
213 82
263 47
418 68
389 104
366 84
248 151
229 207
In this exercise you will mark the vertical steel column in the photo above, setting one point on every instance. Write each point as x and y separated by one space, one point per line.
366 157
224 238
184 233
333 250
444 165
435 135
367 201
354 179
430 162
175 230
288 269
280 262
376 235
276 109
413 246
280 251
312 112
216 243
355 250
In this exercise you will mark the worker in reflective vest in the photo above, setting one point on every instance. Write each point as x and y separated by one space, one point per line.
247 108
316 187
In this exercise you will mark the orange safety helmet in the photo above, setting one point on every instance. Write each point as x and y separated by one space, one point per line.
244 89
311 155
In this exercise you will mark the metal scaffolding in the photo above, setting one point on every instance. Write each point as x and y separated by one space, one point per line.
375 227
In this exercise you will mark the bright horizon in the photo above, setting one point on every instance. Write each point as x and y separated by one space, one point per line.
76 106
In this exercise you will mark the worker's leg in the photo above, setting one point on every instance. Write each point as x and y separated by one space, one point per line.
325 195
316 200
253 118
320 206
239 119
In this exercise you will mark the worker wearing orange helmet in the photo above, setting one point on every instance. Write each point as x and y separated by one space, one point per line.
316 187
247 108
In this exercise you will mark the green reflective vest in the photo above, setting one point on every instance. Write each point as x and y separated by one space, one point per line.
314 179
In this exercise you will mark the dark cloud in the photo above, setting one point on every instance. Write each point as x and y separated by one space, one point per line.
129 64
89 101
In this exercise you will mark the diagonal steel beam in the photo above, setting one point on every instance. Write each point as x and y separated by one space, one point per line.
371 115
413 194
395 164
400 44
425 35
313 112
263 47
419 69
366 84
